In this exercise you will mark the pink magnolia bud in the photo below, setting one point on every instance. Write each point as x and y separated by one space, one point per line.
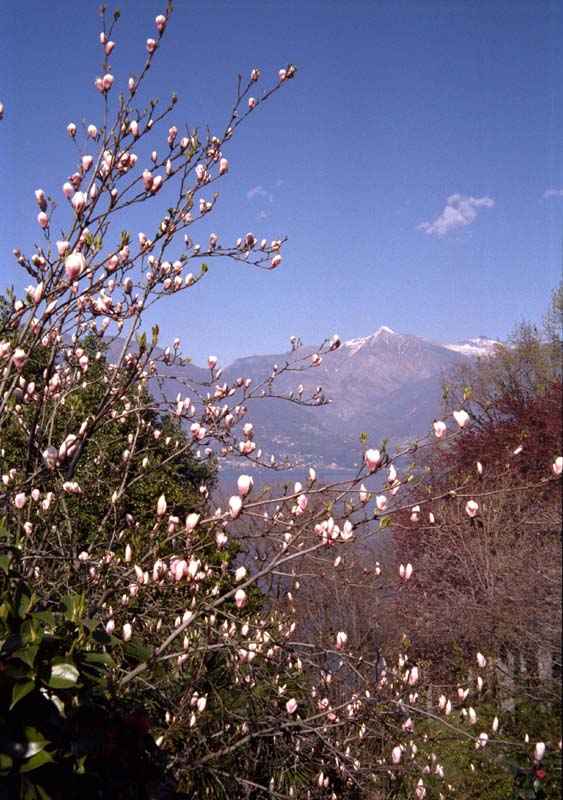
276 261
41 200
99 84
110 626
282 74
151 46
191 522
109 47
68 189
71 129
373 460
212 361
408 572
347 530
78 202
481 660
557 466
75 263
87 162
19 500
255 75
43 219
244 484
147 179
127 631
251 102
92 131
235 506
107 82
439 429
413 676
240 574
157 183
223 166
160 22
161 506
461 417
396 754
381 502
341 639
471 508
494 725
539 751
482 741
291 706
131 84
240 598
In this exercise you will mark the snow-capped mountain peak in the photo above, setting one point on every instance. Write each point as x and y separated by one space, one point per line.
480 346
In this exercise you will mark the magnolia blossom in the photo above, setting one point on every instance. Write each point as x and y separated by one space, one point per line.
235 506
439 428
75 264
161 506
212 361
482 741
127 631
461 417
539 751
341 639
372 459
240 574
291 706
381 501
19 358
471 508
413 676
240 598
396 754
191 521
244 484
481 660
557 466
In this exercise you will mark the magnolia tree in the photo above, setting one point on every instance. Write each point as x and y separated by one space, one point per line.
154 640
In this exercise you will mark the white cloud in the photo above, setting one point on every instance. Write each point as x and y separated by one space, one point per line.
259 191
459 211
553 193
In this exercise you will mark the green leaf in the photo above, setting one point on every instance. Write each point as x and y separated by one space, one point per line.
20 690
24 600
63 675
46 617
137 650
36 761
27 654
5 762
5 563
35 741
72 606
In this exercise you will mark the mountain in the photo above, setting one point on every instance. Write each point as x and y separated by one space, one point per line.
387 385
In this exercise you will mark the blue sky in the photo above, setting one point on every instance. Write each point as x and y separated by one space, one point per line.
415 162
